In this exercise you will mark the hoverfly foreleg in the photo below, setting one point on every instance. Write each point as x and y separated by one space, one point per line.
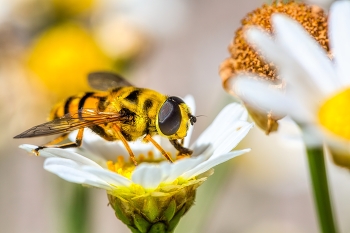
77 142
149 138
179 146
57 140
126 144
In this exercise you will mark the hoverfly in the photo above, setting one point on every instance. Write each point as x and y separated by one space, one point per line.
117 111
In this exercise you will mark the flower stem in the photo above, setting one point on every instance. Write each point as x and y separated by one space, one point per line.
77 211
320 189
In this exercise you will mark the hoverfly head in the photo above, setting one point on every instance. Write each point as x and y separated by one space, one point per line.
173 118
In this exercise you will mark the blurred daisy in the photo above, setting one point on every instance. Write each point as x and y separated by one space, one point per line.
125 29
155 18
65 54
156 193
244 59
316 92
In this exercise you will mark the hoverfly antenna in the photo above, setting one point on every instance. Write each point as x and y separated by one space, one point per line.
193 119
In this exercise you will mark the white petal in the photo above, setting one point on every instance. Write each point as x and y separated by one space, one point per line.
231 137
180 167
228 116
71 171
265 44
27 147
339 34
306 51
99 146
260 95
224 125
147 175
61 153
64 153
165 166
108 176
205 166
289 67
312 136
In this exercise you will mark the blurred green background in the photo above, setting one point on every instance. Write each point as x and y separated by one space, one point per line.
47 47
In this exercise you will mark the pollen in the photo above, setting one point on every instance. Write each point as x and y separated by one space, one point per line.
334 114
126 167
150 155
121 167
244 59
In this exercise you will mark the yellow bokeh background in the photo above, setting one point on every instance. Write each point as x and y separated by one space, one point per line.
63 56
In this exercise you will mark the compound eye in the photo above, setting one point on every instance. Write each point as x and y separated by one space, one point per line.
169 118
176 99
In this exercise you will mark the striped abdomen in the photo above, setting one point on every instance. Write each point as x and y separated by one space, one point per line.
88 100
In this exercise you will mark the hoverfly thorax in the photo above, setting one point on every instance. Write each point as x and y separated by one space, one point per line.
173 118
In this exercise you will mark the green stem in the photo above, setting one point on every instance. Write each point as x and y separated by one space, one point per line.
320 189
77 210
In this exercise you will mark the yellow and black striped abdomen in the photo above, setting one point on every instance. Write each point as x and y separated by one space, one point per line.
87 100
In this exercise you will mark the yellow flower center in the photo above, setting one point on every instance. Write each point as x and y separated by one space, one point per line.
334 114
121 167
126 168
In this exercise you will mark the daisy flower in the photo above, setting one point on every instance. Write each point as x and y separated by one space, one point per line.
156 193
316 92
244 59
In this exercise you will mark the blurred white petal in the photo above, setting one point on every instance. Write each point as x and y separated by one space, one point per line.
156 18
260 93
339 36
298 43
289 67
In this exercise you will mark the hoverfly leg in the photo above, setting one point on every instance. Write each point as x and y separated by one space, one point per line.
179 147
126 144
149 138
51 144
36 150
57 140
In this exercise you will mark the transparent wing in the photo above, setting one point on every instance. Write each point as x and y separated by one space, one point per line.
104 81
70 122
